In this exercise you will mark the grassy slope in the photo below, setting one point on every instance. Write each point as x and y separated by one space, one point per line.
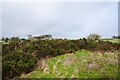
83 64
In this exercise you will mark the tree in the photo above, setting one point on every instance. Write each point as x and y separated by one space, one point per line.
113 36
23 39
14 38
3 38
43 37
116 37
94 37
6 39
29 36
46 36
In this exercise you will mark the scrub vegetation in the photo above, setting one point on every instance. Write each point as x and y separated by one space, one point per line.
44 57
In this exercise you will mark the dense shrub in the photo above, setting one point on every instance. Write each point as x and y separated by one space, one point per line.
5 49
42 48
16 62
106 46
91 45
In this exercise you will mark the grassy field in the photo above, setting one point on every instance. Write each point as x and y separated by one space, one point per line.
83 64
112 40
3 42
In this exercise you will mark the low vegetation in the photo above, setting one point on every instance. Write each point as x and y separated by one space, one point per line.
16 62
82 64
84 55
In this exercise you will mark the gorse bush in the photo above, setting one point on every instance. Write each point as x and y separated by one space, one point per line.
16 62
19 57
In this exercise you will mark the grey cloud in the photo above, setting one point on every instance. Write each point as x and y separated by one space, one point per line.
70 20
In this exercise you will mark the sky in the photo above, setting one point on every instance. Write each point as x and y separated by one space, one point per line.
71 20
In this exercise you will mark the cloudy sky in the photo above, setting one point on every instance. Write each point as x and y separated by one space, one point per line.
60 19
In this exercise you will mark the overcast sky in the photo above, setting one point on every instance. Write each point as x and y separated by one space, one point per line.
60 19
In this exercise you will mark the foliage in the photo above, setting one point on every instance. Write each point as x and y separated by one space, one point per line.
14 38
43 48
6 39
94 37
17 62
116 37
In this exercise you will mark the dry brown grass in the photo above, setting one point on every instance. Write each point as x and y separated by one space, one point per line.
70 59
93 66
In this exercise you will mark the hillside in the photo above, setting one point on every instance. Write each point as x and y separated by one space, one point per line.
82 64
90 58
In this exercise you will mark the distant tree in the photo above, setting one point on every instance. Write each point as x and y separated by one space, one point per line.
6 39
23 39
118 36
3 38
48 36
14 38
84 39
29 36
39 37
43 37
113 36
94 37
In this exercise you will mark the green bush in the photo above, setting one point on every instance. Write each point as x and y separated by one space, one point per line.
16 62
5 49
106 46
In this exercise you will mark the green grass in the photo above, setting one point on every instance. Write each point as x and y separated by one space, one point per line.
83 64
3 42
112 40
